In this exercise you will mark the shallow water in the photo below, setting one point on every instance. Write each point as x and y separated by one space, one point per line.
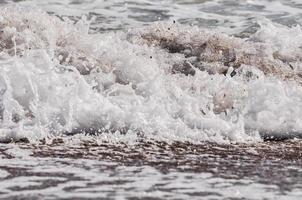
151 170
115 105
234 17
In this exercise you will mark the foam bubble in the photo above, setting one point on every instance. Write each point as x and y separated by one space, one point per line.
165 81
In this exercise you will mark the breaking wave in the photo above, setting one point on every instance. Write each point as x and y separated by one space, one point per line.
164 81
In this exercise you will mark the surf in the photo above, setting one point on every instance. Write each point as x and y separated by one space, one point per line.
166 81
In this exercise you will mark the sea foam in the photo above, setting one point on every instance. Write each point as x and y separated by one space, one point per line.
166 81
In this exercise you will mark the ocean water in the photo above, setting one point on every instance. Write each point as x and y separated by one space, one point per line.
148 99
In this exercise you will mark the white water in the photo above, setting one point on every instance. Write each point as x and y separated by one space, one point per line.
57 78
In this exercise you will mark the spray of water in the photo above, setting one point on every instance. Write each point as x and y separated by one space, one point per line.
165 81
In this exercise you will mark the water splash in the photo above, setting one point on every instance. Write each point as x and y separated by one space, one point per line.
166 81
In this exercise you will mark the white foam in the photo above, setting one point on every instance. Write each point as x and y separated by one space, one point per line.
57 78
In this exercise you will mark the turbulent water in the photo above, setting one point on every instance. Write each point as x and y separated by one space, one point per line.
97 79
